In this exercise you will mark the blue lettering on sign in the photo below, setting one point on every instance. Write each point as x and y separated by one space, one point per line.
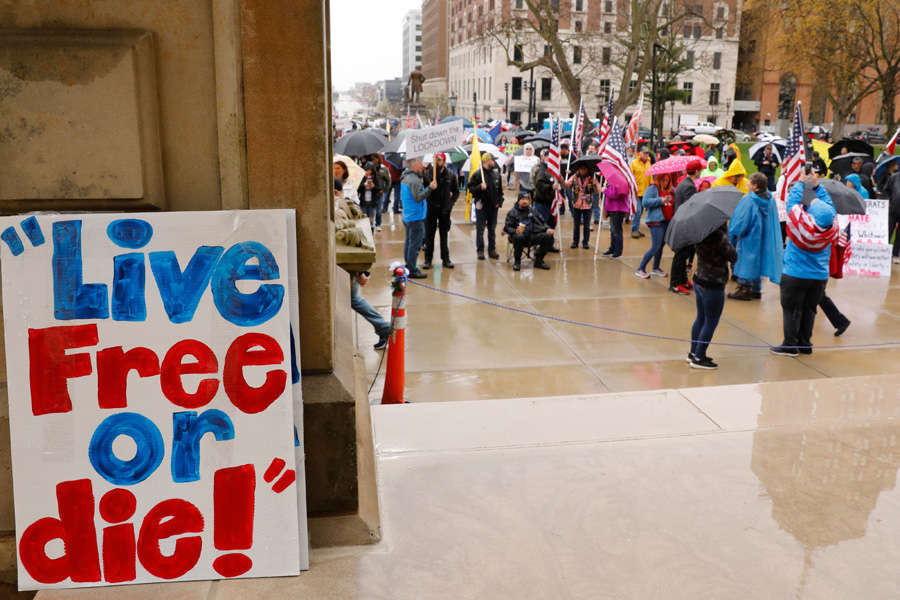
256 307
181 291
295 372
12 240
187 429
73 299
33 230
150 448
128 288
130 233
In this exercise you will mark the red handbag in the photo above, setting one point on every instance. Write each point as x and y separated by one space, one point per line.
668 208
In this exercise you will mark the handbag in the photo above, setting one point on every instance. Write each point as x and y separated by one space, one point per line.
668 208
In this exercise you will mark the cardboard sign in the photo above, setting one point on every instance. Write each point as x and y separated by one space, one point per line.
437 138
153 385
525 163
870 249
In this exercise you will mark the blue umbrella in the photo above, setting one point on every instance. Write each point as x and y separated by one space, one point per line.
484 136
466 122
883 165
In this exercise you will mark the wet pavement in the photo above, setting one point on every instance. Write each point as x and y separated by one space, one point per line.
458 349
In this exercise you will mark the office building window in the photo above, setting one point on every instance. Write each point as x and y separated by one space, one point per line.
608 6
605 89
713 94
546 83
720 33
632 85
519 4
576 55
515 116
687 31
717 60
579 5
606 55
689 59
688 89
516 88
720 12
517 52
607 27
697 31
578 27
548 50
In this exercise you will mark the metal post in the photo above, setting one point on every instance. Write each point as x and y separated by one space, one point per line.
530 93
506 91
653 105
475 105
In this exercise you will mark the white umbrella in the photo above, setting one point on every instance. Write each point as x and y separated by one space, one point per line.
778 146
356 173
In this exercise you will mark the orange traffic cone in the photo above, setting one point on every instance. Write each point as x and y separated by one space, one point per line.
395 373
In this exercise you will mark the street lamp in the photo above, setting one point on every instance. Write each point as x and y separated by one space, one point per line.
506 91
653 100
727 114
452 100
475 105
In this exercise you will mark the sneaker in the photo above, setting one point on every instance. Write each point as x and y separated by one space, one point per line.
642 274
636 235
680 290
805 349
897 260
756 295
539 264
586 246
840 330
703 363
481 256
517 267
689 285
784 351
554 250
659 273
378 228
382 342
493 254
690 357
447 264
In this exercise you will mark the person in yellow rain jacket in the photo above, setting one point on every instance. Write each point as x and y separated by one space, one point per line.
639 167
736 175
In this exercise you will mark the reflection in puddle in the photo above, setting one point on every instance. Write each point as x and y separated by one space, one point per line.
824 479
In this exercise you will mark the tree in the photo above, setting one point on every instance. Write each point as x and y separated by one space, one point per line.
672 60
821 38
535 40
879 26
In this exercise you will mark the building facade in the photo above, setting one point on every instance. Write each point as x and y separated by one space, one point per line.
435 48
767 91
389 90
479 76
412 42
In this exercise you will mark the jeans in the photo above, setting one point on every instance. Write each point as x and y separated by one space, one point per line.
893 224
678 272
362 306
755 285
709 308
395 188
596 207
415 233
437 221
657 239
370 209
834 314
582 222
616 224
799 298
543 241
486 218
636 219
382 202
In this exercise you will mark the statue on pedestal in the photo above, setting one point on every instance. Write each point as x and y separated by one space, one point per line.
414 84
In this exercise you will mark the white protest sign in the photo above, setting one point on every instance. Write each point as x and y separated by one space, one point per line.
437 138
152 390
869 254
524 163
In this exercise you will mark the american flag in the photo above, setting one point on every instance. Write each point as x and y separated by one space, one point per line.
794 155
553 150
606 126
631 134
614 153
889 147
578 131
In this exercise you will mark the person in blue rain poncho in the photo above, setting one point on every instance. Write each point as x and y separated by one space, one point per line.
756 233
853 181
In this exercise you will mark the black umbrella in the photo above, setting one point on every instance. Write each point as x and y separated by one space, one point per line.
359 143
852 146
538 145
843 163
588 160
701 215
847 201
543 135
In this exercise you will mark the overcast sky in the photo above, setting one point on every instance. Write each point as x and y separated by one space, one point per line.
366 39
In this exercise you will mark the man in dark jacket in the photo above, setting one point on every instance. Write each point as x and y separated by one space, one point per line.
891 191
865 174
766 163
440 203
678 280
544 192
486 186
525 227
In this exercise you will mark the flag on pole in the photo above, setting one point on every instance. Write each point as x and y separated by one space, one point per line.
553 164
614 153
794 155
474 165
437 116
889 147
494 131
578 131
606 125
631 134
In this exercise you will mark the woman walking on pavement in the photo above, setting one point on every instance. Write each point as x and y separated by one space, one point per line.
713 255
617 204
583 185
659 206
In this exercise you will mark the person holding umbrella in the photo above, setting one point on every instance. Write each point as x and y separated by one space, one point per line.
755 232
659 203
584 185
617 204
678 280
639 168
766 163
714 254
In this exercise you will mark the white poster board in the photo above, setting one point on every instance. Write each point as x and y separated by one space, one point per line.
151 400
524 163
870 248
437 138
